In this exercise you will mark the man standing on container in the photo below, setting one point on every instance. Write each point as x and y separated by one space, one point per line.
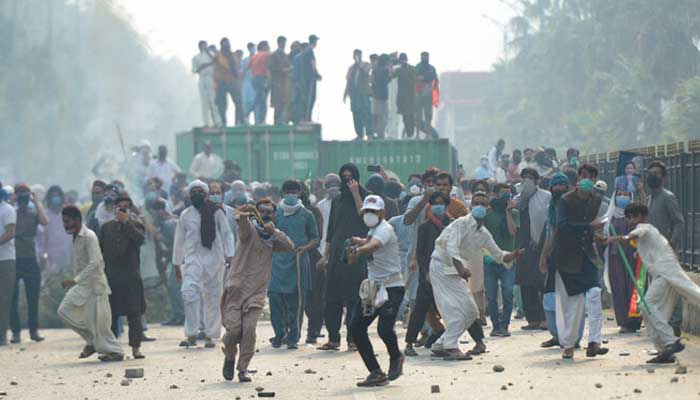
280 75
357 88
406 98
203 65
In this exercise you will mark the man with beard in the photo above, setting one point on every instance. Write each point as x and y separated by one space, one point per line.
120 241
246 285
343 279
577 283
203 245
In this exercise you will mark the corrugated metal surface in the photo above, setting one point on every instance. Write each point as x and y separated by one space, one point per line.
264 153
277 153
403 157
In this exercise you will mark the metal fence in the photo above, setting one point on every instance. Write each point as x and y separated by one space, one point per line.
683 164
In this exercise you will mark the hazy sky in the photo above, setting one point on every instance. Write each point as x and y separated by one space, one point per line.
456 33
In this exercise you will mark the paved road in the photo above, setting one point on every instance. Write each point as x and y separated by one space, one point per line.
51 370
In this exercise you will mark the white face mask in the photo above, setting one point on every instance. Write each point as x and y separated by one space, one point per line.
370 219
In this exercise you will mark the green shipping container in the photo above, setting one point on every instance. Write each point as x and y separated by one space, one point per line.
264 153
403 157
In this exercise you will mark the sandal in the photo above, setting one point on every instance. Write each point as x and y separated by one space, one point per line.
87 352
456 355
662 359
111 357
330 346
477 350
568 354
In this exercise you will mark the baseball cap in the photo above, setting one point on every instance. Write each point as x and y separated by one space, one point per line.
373 202
313 38
601 186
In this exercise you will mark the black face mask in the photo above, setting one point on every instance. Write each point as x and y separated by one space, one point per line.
23 199
654 181
499 204
197 199
109 200
556 194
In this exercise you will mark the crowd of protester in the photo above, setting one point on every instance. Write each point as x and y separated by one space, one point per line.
378 90
530 235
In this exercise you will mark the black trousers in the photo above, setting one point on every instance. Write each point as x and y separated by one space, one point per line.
385 328
28 271
334 317
424 299
476 331
315 302
532 303
409 124
135 328
223 90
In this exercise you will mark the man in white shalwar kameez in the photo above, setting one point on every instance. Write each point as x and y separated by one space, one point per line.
85 308
203 245
668 281
458 250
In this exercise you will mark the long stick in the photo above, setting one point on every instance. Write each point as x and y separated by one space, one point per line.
621 250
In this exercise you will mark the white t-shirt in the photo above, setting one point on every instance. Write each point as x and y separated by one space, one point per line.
8 216
385 261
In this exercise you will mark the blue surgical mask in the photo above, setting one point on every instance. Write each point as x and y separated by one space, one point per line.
290 199
56 201
216 198
438 209
151 196
622 201
586 185
479 212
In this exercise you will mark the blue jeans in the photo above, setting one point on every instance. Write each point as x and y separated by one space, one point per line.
493 273
260 107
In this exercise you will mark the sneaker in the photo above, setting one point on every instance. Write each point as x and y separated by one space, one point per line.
375 378
396 368
409 351
276 343
228 369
